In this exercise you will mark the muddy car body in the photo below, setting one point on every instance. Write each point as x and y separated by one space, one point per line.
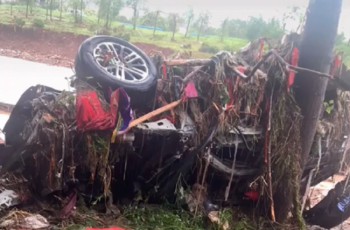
138 129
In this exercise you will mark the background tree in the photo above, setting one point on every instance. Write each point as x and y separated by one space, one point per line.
51 8
75 5
11 6
202 23
156 16
29 4
236 28
189 18
151 19
255 28
109 10
81 10
173 21
47 9
134 4
223 29
61 9
340 39
101 9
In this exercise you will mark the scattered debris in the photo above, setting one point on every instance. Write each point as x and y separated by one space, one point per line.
8 198
24 220
225 130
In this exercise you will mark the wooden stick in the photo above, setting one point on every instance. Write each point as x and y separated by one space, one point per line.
300 69
288 66
147 117
154 113
268 160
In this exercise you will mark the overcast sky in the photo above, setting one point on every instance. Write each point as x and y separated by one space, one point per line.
243 9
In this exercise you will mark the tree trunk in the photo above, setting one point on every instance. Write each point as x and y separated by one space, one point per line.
223 30
47 9
200 30
135 16
27 8
155 23
76 12
81 10
100 10
61 10
188 26
51 6
108 14
11 8
174 29
316 48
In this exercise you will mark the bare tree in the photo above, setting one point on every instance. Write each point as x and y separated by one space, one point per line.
61 9
155 22
223 29
81 10
28 3
47 9
51 9
203 20
189 18
134 4
173 25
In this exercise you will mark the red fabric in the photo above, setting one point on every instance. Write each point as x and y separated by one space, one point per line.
252 195
337 63
241 68
165 76
91 115
190 90
294 62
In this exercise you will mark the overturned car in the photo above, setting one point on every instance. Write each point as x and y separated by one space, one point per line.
144 129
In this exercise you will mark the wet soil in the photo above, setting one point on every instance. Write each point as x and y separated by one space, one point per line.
50 47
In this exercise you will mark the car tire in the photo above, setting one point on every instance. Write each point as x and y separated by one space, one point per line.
115 63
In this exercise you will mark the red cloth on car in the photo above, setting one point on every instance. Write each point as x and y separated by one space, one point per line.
91 114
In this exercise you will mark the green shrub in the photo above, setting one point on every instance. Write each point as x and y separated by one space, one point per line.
38 23
93 27
121 32
19 22
103 31
159 37
228 48
208 48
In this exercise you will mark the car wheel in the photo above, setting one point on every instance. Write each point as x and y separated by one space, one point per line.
115 63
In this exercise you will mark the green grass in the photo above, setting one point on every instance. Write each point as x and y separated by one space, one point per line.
161 39
166 217
90 26
153 217
346 50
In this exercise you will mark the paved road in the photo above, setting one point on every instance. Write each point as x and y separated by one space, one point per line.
17 75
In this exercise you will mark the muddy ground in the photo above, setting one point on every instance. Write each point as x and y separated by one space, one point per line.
49 47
